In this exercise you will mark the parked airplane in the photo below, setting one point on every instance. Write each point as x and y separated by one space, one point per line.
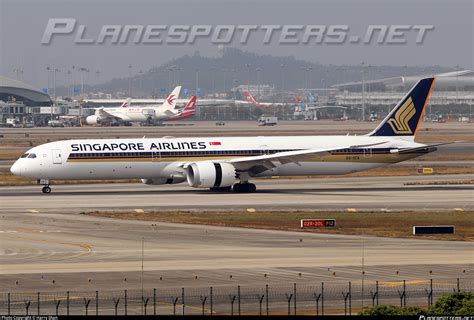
228 163
252 101
188 111
127 113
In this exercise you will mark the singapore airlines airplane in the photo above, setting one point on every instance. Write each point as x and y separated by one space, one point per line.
228 163
128 113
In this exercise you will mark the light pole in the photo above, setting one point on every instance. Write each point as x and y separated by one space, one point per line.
69 82
405 67
73 82
48 68
213 80
140 73
177 75
18 71
457 76
130 80
310 80
363 90
82 70
56 70
198 110
282 66
248 81
224 70
258 79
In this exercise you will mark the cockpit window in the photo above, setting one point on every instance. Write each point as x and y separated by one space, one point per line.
24 155
32 155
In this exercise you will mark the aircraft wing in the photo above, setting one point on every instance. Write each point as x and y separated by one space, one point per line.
265 162
428 148
101 113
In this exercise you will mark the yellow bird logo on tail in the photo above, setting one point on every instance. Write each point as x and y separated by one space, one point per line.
399 122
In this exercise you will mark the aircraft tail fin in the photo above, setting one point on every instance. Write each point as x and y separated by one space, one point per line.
250 98
170 102
191 105
127 103
403 121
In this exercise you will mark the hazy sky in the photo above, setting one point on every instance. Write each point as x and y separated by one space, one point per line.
23 23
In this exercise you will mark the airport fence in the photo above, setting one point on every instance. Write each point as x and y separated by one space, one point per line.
296 298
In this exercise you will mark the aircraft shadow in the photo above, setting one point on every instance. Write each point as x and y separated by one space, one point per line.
333 191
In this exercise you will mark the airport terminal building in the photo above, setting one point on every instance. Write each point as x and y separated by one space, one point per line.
17 91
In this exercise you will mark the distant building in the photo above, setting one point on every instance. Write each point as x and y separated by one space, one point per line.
452 88
450 81
256 90
17 91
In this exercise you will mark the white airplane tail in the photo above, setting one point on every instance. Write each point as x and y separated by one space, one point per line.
127 103
170 103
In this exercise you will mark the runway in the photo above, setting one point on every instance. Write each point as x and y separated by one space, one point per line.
48 246
72 248
368 193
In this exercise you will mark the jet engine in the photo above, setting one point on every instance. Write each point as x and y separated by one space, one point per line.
93 120
208 174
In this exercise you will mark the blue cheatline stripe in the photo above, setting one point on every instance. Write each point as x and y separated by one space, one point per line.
237 153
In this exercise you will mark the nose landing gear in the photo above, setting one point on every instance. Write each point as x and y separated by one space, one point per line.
46 189
45 184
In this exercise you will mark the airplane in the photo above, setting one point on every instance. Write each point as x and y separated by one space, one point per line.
250 100
127 113
188 111
229 163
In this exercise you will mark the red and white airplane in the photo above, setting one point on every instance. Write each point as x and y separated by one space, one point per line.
188 111
128 113
252 101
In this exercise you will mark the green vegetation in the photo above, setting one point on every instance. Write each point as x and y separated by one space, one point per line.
386 310
458 303
453 304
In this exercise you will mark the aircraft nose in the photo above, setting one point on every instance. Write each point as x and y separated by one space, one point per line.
16 169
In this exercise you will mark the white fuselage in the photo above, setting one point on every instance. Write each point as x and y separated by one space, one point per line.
168 157
139 114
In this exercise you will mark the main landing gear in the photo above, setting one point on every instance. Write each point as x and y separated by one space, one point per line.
45 184
244 188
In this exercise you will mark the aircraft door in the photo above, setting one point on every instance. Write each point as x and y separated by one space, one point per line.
149 113
264 150
57 156
155 156
367 153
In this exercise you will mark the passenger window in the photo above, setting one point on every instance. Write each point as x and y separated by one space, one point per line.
32 156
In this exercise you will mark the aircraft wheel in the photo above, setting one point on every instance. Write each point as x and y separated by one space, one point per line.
46 189
252 188
244 188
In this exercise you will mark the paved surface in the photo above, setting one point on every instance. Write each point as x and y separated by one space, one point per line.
370 193
37 248
45 238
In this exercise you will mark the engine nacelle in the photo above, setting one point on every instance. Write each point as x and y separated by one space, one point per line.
93 119
158 181
208 174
